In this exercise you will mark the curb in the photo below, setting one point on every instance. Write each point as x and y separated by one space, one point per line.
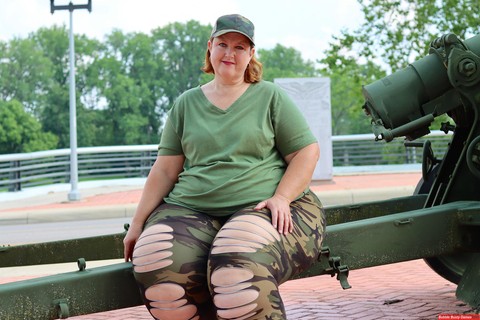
67 214
92 212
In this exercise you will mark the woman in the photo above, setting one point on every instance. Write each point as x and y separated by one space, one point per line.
226 215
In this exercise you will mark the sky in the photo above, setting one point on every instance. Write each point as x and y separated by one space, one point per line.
306 25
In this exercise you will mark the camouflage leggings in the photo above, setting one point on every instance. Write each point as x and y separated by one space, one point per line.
190 265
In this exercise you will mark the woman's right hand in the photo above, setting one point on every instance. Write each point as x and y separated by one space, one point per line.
130 240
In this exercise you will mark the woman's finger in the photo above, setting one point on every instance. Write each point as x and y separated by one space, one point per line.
275 217
281 221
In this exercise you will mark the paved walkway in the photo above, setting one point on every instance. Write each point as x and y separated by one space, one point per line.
407 290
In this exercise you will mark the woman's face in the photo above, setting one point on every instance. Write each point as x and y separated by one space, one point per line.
230 54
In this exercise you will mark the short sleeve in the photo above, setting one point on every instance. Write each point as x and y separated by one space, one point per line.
292 132
170 143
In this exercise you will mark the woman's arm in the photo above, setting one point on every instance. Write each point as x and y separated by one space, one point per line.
297 177
161 179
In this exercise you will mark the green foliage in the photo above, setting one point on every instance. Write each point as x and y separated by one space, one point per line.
52 106
124 85
140 75
398 32
182 47
21 132
347 76
107 76
283 62
24 72
393 34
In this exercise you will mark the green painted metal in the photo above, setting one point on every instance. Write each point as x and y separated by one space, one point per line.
399 237
406 102
91 248
70 294
468 289
348 213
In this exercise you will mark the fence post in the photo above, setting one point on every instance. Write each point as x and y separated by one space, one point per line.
144 163
15 175
346 156
411 154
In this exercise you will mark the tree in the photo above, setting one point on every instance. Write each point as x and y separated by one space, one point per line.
393 34
139 76
21 132
130 78
24 72
53 109
147 70
398 32
283 62
182 47
109 78
347 77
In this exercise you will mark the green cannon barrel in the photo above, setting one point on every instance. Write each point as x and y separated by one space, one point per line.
413 96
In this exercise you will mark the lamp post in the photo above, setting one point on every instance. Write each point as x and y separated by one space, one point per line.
74 194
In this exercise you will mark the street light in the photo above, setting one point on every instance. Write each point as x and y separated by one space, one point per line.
74 193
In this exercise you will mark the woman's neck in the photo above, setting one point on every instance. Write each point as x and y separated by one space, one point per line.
223 95
220 85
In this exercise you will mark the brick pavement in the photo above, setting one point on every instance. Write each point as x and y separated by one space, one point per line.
407 290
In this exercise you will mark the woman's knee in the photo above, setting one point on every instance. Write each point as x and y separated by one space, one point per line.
153 250
167 301
246 292
169 265
235 295
242 265
175 237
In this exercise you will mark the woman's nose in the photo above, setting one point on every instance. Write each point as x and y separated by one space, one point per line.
229 51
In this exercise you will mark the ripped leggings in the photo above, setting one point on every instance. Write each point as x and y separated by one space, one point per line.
190 265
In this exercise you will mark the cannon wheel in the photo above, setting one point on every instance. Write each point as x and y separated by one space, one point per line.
450 267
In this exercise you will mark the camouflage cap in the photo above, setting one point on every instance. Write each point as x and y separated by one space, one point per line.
234 23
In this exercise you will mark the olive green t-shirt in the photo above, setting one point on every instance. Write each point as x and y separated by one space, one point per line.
234 157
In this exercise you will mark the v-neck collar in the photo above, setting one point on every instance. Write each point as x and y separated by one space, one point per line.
232 106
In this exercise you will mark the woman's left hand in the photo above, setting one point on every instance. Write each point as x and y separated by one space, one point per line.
279 207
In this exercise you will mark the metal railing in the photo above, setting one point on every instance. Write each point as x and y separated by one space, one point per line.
94 163
23 170
363 150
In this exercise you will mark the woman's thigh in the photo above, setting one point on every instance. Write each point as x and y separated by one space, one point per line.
249 234
173 249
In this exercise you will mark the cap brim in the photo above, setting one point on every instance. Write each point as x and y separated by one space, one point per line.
222 32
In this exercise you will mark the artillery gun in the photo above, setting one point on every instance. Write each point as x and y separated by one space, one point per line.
439 223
